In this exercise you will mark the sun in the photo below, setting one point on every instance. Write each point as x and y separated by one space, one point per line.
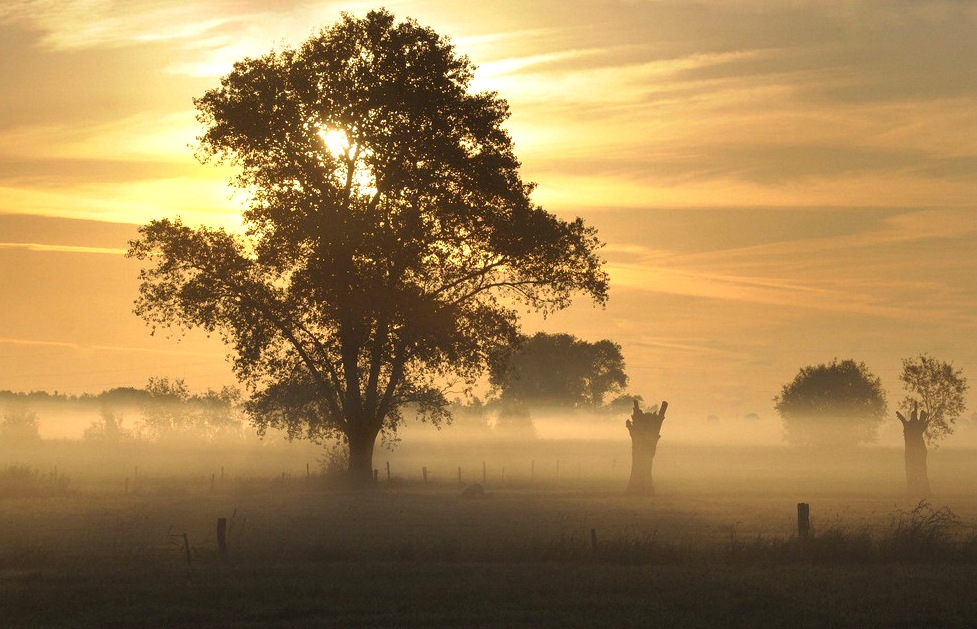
336 141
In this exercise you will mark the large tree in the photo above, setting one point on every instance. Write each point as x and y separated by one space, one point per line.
390 238
831 405
558 370
934 401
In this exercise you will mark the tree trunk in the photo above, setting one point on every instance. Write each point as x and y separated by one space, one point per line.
913 431
361 446
645 429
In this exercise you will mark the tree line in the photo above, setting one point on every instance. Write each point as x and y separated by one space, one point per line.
165 411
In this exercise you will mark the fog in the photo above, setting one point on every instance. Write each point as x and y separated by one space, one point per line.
96 492
564 449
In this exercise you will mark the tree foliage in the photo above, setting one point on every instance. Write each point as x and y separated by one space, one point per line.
937 388
18 425
389 235
835 404
170 412
558 370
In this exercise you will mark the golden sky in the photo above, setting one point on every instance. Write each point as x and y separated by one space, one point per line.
778 184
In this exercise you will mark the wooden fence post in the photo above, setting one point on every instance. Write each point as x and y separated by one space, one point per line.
186 546
222 538
424 474
803 520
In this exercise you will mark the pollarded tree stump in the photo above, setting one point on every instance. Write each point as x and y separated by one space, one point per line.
645 429
914 434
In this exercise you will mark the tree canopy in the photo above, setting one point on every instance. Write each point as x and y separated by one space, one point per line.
936 387
390 238
558 370
835 404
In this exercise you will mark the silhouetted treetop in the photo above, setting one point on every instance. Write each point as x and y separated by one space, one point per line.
936 387
840 403
559 370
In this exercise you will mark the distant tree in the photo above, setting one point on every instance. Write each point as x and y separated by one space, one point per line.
389 235
837 404
934 401
622 403
165 412
108 428
559 370
219 414
123 397
19 425
171 412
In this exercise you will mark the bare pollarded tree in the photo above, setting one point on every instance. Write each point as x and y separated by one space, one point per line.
645 429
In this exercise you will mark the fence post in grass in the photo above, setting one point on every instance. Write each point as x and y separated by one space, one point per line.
388 471
222 538
186 546
424 474
803 520
376 476
308 474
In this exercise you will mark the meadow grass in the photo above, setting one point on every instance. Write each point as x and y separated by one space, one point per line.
91 552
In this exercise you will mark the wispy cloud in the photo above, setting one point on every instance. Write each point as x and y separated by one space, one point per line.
106 348
33 246
884 271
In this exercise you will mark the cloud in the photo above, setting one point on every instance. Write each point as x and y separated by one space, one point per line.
180 352
33 246
886 268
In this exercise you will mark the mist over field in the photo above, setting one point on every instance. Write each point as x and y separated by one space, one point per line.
566 445
550 527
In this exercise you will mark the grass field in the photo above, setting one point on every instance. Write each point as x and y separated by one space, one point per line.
715 547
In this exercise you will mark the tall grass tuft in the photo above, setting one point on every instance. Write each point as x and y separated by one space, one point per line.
25 481
924 533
